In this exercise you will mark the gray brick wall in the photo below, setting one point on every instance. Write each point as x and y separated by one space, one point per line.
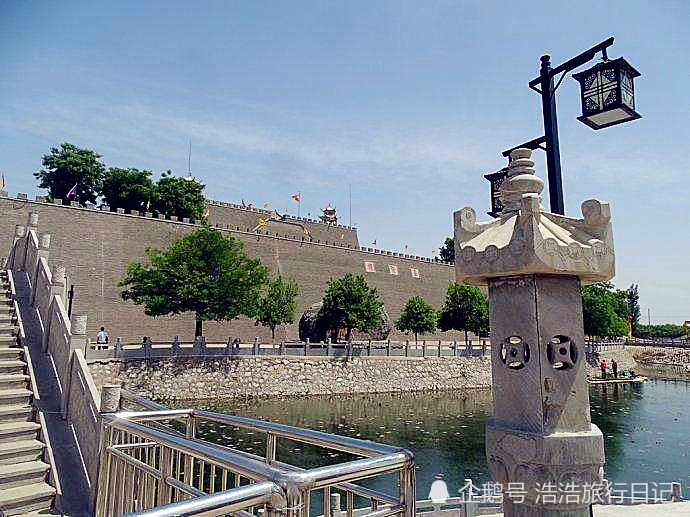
96 247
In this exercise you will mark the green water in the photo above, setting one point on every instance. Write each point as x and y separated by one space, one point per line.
646 430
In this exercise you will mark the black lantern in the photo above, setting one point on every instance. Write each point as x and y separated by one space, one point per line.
496 178
608 95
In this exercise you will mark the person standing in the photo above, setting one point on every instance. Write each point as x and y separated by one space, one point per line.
439 492
102 339
614 367
602 366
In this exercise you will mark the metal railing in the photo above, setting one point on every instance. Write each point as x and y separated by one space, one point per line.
147 465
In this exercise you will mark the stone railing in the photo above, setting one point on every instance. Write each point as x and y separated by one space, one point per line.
160 350
63 339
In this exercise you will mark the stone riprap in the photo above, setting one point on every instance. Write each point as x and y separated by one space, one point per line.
197 379
650 355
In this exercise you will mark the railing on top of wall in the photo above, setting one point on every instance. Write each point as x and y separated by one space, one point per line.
145 464
62 338
159 350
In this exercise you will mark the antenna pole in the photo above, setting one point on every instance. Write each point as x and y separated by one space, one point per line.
189 159
350 185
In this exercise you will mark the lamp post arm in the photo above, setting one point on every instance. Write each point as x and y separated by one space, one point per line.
578 60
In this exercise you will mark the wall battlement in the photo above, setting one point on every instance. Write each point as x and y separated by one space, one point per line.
96 245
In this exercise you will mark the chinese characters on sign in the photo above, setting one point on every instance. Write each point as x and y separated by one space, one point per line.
393 270
369 267
414 272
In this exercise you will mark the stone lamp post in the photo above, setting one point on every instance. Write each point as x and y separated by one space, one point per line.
541 445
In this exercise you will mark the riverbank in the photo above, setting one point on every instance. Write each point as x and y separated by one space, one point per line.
198 378
227 378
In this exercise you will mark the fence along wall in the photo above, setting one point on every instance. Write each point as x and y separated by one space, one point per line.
96 247
64 340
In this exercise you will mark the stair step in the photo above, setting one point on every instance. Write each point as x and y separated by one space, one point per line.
7 330
13 431
19 474
18 500
10 353
7 341
13 380
15 413
19 451
15 396
12 366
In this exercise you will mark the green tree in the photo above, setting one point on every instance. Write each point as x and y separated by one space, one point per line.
67 166
417 316
351 304
278 306
130 189
447 251
465 308
633 298
663 331
181 197
204 273
604 311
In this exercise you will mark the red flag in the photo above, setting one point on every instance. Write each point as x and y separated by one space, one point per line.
297 197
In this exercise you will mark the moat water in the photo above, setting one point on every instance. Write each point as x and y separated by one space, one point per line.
646 430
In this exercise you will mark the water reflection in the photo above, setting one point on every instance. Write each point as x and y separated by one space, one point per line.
646 430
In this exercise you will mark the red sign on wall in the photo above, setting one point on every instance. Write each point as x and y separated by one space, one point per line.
393 270
414 272
369 267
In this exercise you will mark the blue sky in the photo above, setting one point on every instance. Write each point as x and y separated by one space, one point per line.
409 102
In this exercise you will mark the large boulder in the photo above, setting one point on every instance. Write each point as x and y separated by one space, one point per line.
310 327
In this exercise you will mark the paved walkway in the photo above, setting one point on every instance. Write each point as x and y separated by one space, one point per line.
70 469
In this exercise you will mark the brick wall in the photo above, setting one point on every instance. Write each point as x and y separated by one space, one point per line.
96 247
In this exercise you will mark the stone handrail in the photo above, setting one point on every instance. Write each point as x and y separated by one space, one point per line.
401 349
64 340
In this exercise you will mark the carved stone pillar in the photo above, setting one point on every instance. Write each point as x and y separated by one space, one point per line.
541 442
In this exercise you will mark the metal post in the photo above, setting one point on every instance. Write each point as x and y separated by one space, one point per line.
423 348
70 297
553 155
388 348
439 348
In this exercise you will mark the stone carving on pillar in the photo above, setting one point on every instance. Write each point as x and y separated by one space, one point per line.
58 278
533 263
45 241
33 220
79 325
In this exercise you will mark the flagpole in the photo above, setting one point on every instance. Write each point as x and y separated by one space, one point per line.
299 204
350 185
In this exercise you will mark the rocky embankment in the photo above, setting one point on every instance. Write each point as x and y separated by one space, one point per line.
649 355
211 378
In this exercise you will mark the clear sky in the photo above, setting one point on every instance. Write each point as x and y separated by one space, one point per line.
409 102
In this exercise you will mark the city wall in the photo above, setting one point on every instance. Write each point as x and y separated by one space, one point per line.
95 247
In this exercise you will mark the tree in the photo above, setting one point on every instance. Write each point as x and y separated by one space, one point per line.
351 304
130 189
465 308
448 250
68 167
604 311
180 197
278 306
204 273
417 316
633 298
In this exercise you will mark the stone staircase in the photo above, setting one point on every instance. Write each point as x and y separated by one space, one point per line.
23 473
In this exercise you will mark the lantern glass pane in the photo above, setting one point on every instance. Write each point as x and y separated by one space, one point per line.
627 91
599 91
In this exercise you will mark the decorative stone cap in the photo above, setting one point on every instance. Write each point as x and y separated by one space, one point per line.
527 239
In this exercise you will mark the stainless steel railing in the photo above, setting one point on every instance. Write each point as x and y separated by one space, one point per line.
148 465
